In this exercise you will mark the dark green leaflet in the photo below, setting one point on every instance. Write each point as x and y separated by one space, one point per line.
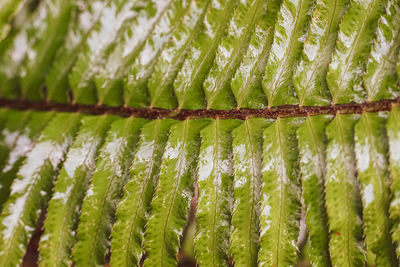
215 185
380 77
280 195
174 191
3 117
246 83
72 182
398 67
17 48
25 139
8 10
19 21
247 163
188 85
105 190
99 44
310 76
393 132
32 187
85 16
128 230
135 82
348 62
312 144
342 196
291 25
155 27
15 123
160 84
371 149
44 49
230 52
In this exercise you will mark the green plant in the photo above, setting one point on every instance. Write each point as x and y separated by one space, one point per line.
238 132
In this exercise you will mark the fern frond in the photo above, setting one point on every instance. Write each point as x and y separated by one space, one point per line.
105 190
246 83
160 84
291 25
16 50
380 76
230 52
170 204
128 230
3 117
14 126
8 10
32 187
247 163
398 67
84 18
213 215
101 42
155 26
280 195
342 195
371 149
140 70
309 78
188 85
348 62
312 145
63 208
24 142
393 132
42 52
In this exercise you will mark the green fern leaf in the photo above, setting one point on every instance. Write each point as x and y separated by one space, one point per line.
247 163
280 195
104 192
291 25
188 85
71 184
3 116
398 67
16 50
43 51
371 150
19 21
380 77
14 126
230 52
309 78
8 10
85 17
101 42
140 70
160 24
246 84
393 132
312 144
348 62
25 139
32 187
174 191
128 231
160 84
343 201
215 187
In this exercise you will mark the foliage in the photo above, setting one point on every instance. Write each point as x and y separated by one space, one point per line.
155 191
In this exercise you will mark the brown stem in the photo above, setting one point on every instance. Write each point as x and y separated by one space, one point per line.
182 114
